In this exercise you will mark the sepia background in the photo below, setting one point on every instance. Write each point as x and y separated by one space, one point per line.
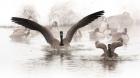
30 58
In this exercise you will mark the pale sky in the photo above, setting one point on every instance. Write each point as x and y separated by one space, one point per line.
11 8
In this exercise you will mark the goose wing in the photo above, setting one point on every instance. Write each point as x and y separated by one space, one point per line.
83 22
101 46
116 44
34 26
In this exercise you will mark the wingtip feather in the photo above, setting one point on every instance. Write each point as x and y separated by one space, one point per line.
99 12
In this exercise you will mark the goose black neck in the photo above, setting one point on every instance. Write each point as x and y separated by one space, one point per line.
109 50
61 38
108 26
125 30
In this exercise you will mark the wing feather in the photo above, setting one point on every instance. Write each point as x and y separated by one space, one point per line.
101 46
83 22
116 44
34 26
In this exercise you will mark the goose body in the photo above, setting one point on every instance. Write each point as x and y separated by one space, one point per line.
20 34
49 36
109 51
117 35
96 35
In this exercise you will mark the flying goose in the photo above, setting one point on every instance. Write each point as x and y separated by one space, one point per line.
109 52
49 36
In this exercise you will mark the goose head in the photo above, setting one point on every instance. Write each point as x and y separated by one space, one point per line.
109 46
125 31
107 26
96 30
96 43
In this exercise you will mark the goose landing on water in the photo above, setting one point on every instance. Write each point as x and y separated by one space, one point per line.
109 53
49 36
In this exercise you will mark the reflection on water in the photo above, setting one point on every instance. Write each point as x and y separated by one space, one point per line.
109 64
85 66
71 62
20 40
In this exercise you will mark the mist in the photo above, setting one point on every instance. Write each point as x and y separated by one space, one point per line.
11 8
32 57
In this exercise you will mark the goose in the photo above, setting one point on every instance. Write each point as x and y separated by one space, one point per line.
77 36
107 31
125 36
64 42
20 34
96 35
109 52
118 35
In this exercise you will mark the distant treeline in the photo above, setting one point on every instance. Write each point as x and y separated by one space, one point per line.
8 27
64 25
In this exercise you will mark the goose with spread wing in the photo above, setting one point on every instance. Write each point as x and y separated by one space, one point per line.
49 36
109 52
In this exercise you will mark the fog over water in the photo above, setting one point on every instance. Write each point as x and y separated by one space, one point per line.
11 8
33 57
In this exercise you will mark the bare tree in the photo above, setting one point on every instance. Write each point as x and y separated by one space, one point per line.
29 13
63 15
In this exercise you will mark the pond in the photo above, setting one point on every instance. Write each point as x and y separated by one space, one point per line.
34 59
